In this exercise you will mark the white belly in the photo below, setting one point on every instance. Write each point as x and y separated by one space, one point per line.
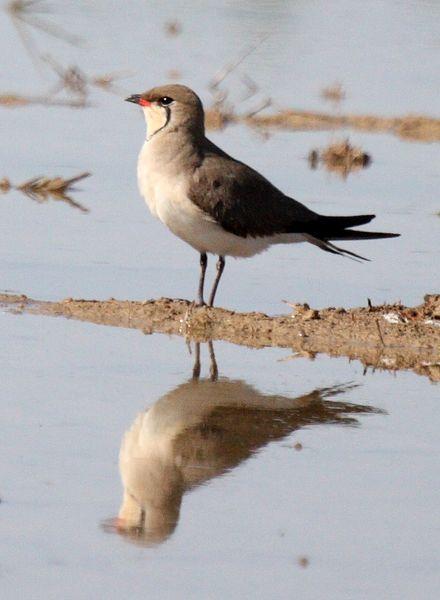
167 199
195 227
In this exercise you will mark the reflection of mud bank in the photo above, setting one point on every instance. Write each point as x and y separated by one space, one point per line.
388 337
411 127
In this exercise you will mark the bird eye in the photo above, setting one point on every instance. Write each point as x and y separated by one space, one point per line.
165 100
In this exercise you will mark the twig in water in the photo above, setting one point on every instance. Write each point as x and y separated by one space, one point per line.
26 12
70 78
75 81
219 95
26 16
231 66
264 104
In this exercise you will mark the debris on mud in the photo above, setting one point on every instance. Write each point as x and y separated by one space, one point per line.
365 334
340 157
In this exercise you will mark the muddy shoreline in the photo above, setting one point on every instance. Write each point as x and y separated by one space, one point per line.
411 127
391 337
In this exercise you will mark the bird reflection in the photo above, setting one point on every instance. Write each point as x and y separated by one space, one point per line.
201 430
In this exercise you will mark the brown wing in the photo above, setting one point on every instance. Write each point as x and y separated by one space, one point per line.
241 200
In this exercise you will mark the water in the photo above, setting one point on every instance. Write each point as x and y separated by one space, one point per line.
352 514
358 501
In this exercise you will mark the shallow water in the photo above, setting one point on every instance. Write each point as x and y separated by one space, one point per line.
230 505
233 507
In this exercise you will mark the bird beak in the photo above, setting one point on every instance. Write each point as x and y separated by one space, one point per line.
137 99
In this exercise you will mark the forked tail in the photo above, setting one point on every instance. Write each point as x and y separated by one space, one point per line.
329 229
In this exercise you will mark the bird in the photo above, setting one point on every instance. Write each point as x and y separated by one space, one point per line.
201 430
216 203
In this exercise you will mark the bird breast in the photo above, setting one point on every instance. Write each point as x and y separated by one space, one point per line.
164 187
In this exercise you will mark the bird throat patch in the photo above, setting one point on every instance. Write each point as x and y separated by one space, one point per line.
157 118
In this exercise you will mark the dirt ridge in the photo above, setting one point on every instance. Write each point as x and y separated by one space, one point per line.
391 336
410 127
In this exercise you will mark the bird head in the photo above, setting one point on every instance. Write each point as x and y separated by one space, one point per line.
169 108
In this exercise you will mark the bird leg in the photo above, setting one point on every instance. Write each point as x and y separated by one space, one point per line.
220 267
213 369
203 264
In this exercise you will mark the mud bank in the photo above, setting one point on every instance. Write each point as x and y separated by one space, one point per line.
391 337
417 128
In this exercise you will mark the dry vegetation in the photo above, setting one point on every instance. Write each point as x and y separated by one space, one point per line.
390 337
71 80
30 16
333 93
418 128
42 189
340 157
78 84
13 100
222 112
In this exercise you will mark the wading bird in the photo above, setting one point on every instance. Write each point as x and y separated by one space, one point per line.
215 203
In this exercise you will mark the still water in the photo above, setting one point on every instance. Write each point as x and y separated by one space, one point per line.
266 476
214 495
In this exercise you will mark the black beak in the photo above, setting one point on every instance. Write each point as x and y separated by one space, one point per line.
135 98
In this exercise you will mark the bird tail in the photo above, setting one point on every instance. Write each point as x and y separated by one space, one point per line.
329 247
344 222
352 234
335 228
